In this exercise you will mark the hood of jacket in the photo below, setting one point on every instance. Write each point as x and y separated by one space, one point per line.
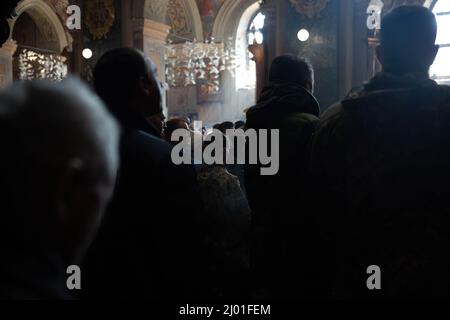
281 99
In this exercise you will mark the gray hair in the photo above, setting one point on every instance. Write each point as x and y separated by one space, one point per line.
45 126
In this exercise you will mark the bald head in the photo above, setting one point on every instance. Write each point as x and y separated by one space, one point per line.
125 78
408 35
60 155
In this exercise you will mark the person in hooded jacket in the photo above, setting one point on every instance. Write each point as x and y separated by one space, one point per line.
286 104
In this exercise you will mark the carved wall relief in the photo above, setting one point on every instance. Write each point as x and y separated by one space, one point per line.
99 16
156 10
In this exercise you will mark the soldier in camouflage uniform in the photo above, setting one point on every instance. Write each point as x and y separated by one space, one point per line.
382 158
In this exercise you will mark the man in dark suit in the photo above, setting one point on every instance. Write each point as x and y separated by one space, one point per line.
147 247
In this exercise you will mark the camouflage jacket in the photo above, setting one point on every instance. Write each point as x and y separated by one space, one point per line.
382 161
227 223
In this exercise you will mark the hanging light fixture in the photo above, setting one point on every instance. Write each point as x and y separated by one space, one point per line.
34 65
193 62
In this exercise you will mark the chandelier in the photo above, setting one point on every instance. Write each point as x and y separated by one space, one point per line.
193 62
34 65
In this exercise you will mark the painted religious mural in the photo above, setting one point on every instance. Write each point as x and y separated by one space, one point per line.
208 11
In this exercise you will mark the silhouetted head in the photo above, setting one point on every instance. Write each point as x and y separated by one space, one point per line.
239 124
224 126
408 35
126 80
172 125
290 68
58 165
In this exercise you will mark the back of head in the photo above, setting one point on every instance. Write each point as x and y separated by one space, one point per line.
46 131
408 35
174 124
239 124
290 68
224 126
119 78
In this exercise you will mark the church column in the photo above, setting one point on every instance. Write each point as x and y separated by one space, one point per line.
6 62
360 43
151 37
281 12
345 50
154 46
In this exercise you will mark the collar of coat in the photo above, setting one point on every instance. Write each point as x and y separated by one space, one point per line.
387 92
383 81
284 98
134 122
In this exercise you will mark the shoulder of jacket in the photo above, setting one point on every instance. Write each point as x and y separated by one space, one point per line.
300 120
146 144
304 116
333 112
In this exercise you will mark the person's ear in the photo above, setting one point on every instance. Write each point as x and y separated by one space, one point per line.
380 54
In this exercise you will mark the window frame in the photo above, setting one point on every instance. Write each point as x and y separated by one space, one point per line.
441 78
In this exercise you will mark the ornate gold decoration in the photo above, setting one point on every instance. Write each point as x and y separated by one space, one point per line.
156 8
99 16
309 8
60 7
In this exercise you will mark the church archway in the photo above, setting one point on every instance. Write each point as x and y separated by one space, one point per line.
233 21
229 17
46 19
50 24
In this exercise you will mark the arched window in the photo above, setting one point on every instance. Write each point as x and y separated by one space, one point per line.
251 33
254 34
255 30
440 70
